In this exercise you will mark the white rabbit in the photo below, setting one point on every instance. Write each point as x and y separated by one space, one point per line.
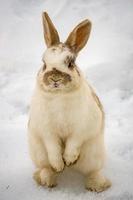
66 124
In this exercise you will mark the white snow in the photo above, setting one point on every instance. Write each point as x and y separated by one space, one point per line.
106 60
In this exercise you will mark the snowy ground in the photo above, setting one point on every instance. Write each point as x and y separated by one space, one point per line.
107 61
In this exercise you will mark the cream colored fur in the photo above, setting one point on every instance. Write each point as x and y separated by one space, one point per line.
65 127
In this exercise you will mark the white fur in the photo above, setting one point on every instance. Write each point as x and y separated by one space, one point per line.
74 118
66 123
56 55
66 117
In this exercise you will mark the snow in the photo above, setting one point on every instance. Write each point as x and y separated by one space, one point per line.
106 61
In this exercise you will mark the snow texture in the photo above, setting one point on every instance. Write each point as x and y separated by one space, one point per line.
106 61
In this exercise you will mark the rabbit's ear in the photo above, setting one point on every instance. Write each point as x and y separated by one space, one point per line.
79 36
50 33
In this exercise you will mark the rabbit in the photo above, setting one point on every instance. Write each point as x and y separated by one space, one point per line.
66 118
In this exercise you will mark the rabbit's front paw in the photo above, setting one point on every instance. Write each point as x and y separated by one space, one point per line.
71 157
57 164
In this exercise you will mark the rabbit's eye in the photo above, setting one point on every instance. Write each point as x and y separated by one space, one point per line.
69 62
71 65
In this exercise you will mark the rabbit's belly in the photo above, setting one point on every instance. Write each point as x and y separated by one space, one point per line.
66 122
75 120
61 124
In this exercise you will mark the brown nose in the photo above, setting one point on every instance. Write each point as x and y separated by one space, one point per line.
56 76
55 79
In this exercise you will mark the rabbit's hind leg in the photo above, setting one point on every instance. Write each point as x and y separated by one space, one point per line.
90 163
96 182
44 175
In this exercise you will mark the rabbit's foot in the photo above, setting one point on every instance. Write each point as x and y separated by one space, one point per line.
45 177
97 182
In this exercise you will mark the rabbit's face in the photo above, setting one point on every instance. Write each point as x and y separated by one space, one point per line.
59 72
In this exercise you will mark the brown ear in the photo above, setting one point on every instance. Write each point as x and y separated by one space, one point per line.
50 33
79 36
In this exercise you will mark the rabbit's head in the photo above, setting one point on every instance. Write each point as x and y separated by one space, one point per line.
59 71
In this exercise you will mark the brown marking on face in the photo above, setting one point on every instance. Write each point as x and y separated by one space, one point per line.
56 75
69 61
60 45
71 64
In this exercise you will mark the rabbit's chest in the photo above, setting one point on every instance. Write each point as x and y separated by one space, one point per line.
64 117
